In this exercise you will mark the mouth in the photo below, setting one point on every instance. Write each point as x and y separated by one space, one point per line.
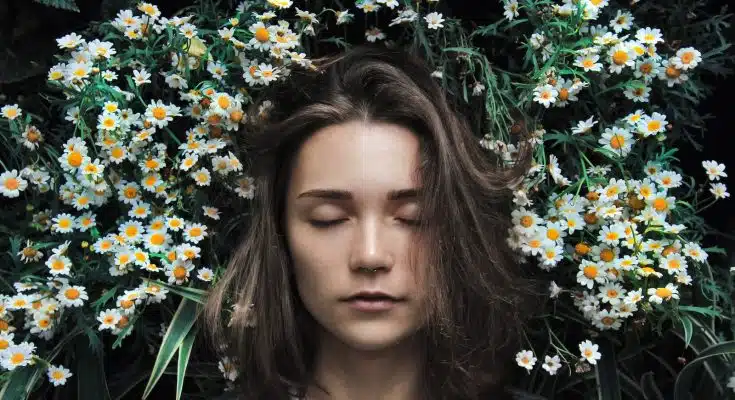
373 302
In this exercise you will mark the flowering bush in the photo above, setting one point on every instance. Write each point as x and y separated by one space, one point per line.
122 213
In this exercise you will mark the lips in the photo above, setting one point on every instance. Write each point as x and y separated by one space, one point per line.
373 296
372 301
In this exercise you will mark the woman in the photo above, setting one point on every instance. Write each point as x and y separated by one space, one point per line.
375 266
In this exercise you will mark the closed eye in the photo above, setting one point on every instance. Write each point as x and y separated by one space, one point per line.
326 224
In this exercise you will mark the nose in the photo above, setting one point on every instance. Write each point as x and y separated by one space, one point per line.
370 247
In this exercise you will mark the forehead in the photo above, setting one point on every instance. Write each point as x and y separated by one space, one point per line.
357 156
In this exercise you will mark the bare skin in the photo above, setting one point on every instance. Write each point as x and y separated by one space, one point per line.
362 355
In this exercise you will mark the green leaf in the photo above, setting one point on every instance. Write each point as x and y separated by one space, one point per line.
701 310
184 353
180 326
62 4
606 373
650 390
193 294
90 372
21 381
684 380
688 330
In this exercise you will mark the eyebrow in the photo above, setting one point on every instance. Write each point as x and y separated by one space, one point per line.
335 194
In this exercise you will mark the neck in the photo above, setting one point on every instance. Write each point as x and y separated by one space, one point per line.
392 373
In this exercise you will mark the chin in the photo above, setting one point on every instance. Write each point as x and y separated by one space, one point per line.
373 335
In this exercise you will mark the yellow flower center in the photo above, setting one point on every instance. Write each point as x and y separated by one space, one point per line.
12 183
17 358
672 72
617 142
663 293
159 113
262 34
74 159
179 272
157 239
620 57
590 271
660 204
223 102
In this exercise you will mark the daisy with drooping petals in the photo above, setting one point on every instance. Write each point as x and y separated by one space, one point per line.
719 190
510 8
32 137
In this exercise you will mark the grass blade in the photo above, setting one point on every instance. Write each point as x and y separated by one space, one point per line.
180 326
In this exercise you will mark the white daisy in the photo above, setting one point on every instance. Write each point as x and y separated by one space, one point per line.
545 95
526 359
658 295
17 355
719 190
714 170
551 364
511 9
109 318
589 351
434 20
11 184
57 374
72 296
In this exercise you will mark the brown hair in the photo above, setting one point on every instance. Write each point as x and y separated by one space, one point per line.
479 297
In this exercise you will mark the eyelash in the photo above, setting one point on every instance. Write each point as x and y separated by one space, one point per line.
327 224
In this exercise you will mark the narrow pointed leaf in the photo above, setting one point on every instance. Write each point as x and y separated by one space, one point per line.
180 326
184 354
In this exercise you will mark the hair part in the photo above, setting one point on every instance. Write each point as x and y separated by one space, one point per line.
479 297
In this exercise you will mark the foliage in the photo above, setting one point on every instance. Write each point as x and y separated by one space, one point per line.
122 196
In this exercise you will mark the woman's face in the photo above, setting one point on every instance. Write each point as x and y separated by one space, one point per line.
355 166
